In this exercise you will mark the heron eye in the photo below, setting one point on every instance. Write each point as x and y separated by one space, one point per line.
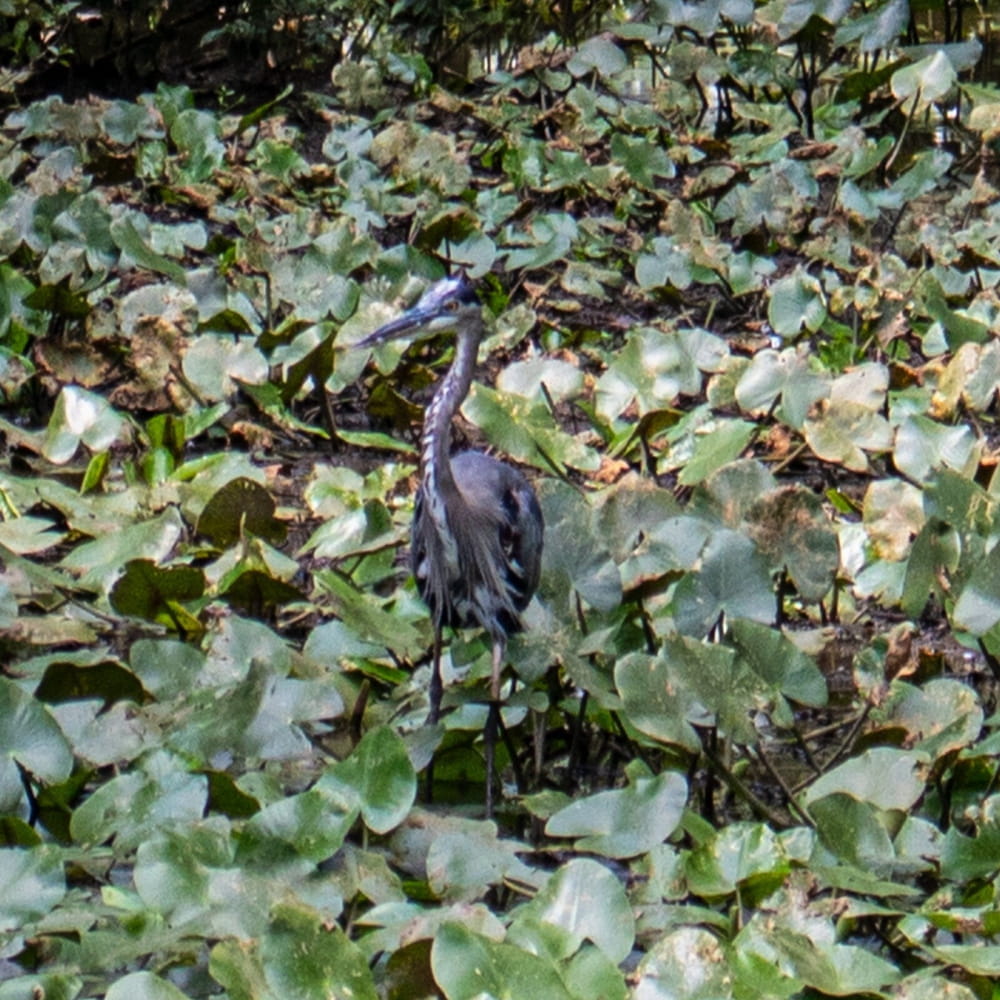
452 306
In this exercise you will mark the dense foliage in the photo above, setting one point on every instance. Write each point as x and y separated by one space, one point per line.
741 265
111 47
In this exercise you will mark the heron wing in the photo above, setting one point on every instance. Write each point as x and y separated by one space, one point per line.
480 562
502 505
521 539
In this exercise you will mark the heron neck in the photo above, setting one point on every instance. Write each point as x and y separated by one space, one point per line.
436 438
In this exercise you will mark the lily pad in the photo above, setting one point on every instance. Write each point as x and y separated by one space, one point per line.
466 965
624 822
241 505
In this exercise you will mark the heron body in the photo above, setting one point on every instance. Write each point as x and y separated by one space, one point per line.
491 550
476 543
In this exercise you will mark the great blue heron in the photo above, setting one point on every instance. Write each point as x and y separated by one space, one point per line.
476 545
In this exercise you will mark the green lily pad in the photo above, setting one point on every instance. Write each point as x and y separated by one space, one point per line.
778 662
380 772
314 824
627 821
796 302
589 902
654 700
160 792
654 367
977 609
885 777
925 81
690 956
941 716
144 986
30 739
842 432
34 883
577 556
733 579
740 853
241 505
466 858
792 529
107 680
306 955
467 965
80 417
154 593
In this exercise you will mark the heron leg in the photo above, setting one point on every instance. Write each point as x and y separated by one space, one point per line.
499 649
490 742
434 691
493 721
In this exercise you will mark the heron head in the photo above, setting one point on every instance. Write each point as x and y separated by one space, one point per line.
449 304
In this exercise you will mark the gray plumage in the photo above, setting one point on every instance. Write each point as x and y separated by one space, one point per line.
476 543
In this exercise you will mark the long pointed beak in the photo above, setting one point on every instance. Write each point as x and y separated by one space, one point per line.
408 323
